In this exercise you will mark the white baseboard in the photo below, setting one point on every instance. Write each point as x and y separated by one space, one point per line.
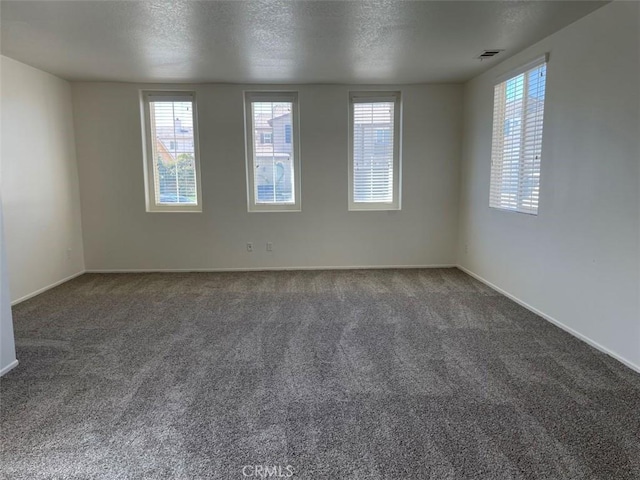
556 322
48 287
6 369
223 269
264 269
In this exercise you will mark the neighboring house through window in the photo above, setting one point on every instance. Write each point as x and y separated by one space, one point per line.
273 159
383 136
172 166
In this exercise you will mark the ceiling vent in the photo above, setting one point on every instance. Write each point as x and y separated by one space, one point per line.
490 53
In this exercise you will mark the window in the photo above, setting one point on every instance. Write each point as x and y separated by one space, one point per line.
172 167
374 151
273 166
516 152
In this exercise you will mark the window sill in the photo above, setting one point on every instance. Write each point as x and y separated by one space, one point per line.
195 209
274 209
374 207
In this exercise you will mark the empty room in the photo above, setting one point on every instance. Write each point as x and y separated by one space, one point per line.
347 239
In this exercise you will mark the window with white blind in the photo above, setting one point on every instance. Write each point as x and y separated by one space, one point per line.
516 152
172 166
273 155
374 150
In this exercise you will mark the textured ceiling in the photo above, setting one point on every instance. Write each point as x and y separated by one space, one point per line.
389 41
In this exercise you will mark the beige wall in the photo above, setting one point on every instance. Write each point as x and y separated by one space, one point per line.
578 261
120 235
39 180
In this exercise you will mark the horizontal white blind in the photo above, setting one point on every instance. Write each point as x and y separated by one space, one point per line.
173 149
273 152
373 150
517 141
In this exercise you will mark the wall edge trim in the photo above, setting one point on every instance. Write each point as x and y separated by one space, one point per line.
48 287
558 323
264 269
8 368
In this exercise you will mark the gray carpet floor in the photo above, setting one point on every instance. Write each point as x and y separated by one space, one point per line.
382 374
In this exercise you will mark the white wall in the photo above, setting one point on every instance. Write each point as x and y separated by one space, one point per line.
39 180
578 261
119 234
7 344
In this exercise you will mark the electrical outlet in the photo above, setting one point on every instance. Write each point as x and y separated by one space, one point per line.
68 254
269 247
249 247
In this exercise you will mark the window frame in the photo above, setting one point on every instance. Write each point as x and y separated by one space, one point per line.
521 126
370 97
272 96
147 150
